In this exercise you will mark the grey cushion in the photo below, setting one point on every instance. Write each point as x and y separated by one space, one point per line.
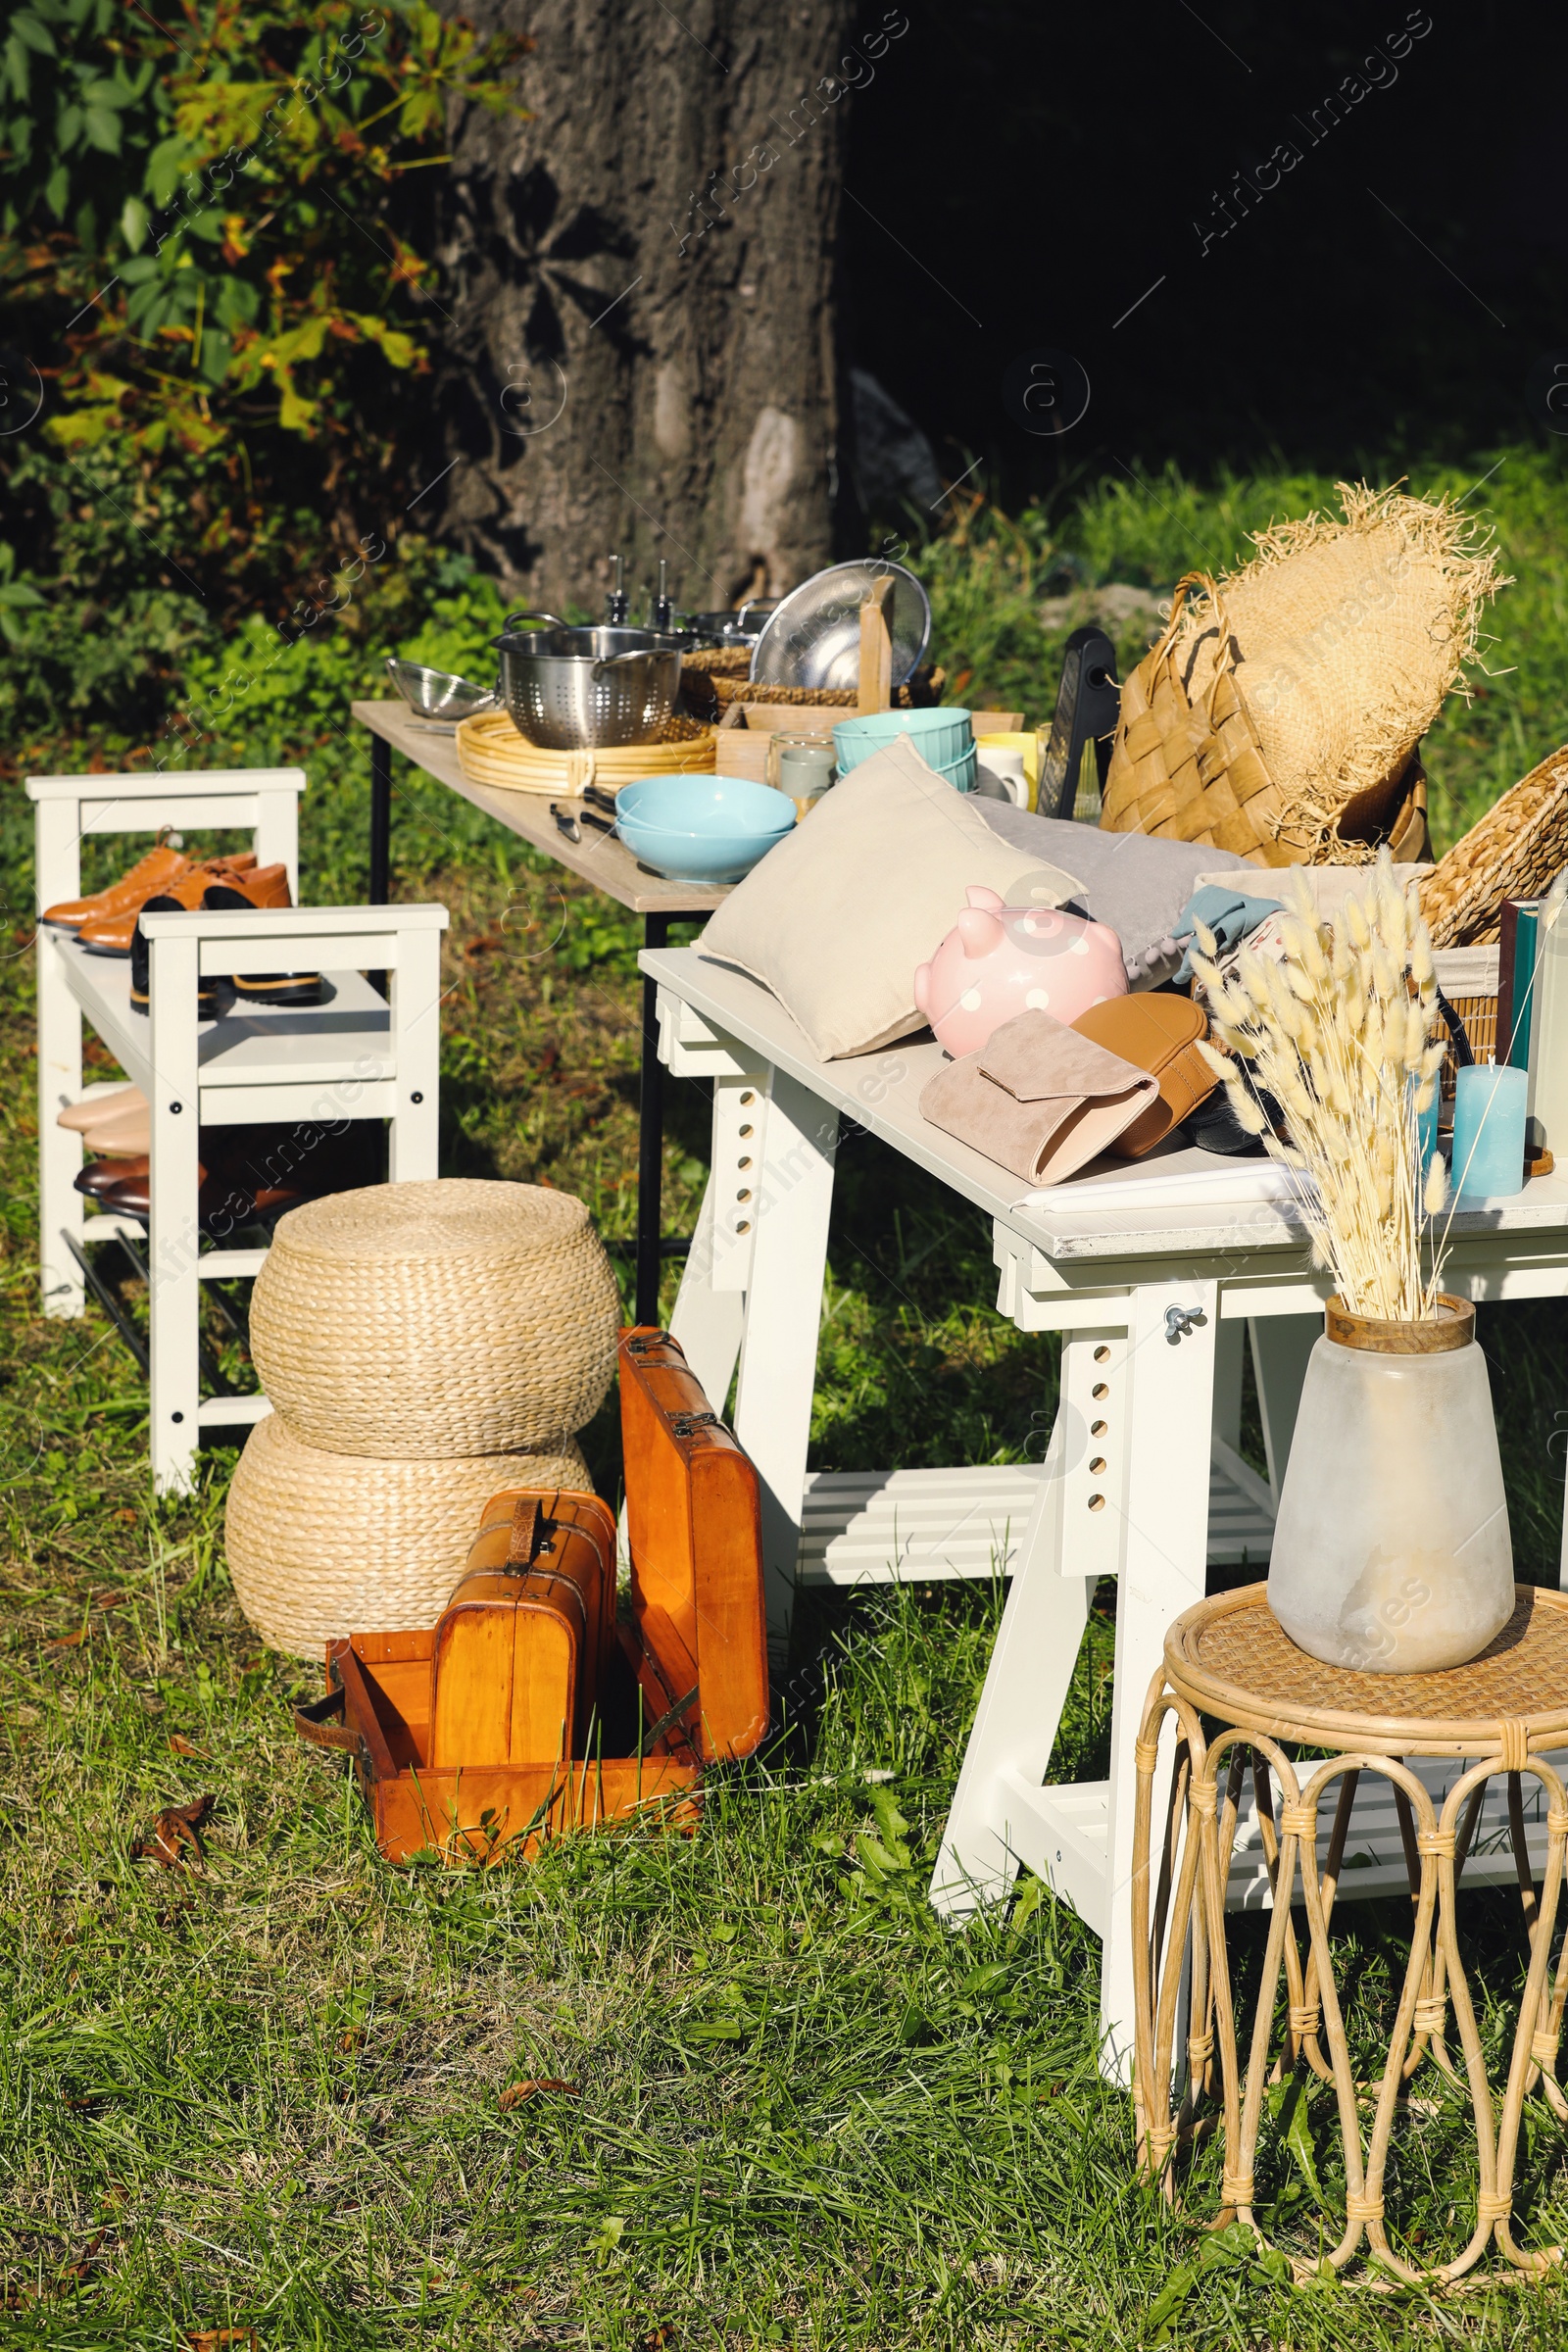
1135 884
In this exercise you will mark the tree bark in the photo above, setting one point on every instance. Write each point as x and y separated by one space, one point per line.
640 348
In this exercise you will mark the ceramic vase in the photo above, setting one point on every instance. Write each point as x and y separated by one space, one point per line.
1391 1553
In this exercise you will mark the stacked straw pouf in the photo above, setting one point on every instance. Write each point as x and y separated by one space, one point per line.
421 1344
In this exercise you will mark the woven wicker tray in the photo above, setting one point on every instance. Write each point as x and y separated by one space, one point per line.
490 751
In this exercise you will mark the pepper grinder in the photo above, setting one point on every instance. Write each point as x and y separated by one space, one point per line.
616 601
661 612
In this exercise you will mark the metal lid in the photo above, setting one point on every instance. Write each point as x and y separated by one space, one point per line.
813 638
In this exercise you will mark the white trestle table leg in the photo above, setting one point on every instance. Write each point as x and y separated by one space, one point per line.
783 1310
1026 1685
1164 1567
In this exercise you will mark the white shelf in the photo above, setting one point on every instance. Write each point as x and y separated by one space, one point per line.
344 1041
883 1527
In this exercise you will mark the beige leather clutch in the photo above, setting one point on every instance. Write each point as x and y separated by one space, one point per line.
1038 1099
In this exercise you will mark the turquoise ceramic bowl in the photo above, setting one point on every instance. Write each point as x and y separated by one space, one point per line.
943 739
701 828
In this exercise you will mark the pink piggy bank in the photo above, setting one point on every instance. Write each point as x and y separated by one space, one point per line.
999 961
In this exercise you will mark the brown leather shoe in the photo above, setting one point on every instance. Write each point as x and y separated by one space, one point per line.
251 1174
112 934
101 1177
159 870
265 886
161 867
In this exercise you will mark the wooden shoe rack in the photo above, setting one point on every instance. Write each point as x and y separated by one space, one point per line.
370 1052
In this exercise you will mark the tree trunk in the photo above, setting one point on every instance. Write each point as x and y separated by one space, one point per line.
640 281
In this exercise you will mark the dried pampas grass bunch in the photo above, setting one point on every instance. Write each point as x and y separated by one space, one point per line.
1343 1033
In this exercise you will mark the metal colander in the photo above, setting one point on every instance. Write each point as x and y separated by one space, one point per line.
569 689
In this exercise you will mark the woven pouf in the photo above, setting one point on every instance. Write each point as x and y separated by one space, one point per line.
323 1544
432 1320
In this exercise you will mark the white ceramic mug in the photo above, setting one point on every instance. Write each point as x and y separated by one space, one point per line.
1005 770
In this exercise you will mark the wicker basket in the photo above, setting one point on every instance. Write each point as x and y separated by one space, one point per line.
323 1544
490 751
430 1321
1186 770
1189 767
1516 852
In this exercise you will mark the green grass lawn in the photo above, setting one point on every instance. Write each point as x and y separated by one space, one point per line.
798 2111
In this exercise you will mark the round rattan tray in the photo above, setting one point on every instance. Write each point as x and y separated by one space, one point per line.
1225 1653
490 751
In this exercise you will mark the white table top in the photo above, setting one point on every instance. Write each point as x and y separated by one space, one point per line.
881 1091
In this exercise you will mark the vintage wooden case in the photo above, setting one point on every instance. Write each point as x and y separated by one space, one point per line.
434 1721
519 1646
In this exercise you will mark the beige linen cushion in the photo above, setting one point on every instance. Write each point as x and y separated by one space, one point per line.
836 918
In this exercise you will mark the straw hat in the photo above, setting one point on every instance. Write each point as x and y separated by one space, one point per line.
430 1321
325 1544
1286 700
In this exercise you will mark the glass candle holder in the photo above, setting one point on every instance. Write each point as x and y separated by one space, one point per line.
815 751
1489 1132
806 769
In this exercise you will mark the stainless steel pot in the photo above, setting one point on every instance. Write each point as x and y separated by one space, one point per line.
730 628
572 689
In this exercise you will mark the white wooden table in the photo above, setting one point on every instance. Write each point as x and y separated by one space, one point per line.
1141 1480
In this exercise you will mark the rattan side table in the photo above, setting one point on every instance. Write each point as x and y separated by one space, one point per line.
1229 1661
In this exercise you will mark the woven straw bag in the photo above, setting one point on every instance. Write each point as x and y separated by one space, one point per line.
1188 766
323 1544
1338 640
433 1320
1516 852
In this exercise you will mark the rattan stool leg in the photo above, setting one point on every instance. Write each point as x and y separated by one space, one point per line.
1531 2040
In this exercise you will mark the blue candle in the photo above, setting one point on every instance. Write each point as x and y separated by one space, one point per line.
1489 1132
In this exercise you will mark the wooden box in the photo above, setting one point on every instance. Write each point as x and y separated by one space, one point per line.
682 1682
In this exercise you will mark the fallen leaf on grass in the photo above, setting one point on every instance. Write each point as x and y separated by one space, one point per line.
13 2296
656 2339
176 1841
84 2265
351 2039
185 1747
127 1518
69 1640
515 2093
211 2339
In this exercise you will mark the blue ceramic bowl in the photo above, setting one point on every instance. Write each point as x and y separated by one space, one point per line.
701 828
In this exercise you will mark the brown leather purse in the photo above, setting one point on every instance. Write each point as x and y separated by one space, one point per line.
1157 1033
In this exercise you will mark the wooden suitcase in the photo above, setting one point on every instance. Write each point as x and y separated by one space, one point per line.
428 1718
520 1644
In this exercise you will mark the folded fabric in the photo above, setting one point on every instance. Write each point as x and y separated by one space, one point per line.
1229 913
1038 1098
1158 1034
839 914
1132 881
